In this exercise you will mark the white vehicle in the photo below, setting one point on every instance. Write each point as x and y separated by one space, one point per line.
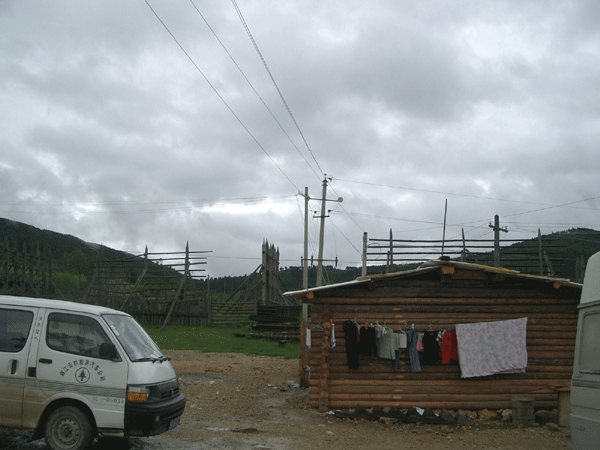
71 371
585 384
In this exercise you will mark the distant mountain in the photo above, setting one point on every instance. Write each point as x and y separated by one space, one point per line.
58 245
563 253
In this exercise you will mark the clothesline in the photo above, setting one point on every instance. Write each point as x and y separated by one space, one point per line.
481 349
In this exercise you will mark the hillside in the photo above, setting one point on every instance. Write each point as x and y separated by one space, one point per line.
566 251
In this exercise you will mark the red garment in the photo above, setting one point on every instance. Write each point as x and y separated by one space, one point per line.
449 347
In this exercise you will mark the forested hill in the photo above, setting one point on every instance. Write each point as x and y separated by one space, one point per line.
565 251
59 246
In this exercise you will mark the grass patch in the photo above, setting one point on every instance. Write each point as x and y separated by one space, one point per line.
219 340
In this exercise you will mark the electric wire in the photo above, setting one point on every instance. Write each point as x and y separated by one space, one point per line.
240 15
469 195
253 88
218 94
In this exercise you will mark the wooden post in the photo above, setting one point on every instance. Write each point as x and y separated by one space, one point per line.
209 301
364 257
265 265
463 254
6 264
305 260
444 232
100 290
15 267
324 361
540 252
23 277
391 258
497 230
137 283
304 363
50 274
172 308
321 236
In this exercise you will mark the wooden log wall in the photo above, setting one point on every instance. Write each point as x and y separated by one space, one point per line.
439 301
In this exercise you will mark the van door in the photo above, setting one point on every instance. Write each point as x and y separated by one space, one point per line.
585 384
15 341
71 363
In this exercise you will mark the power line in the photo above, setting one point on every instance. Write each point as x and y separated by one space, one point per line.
252 86
219 95
471 196
274 82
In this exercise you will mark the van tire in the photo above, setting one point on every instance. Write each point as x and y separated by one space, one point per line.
68 428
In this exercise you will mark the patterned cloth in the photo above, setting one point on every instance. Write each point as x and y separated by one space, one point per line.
489 348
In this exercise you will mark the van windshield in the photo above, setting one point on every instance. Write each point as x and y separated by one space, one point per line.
133 338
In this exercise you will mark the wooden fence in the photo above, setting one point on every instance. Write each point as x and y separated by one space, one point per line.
156 288
27 271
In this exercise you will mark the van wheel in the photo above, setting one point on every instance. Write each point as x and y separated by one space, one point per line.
68 428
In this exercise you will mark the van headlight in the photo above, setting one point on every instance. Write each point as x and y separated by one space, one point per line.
138 394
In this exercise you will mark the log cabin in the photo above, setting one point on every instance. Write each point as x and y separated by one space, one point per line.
439 295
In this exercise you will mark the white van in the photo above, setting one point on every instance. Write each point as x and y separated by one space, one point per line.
71 371
585 384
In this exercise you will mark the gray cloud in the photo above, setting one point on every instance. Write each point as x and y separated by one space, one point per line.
110 132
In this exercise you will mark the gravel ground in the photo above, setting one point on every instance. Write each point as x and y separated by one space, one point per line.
238 402
253 402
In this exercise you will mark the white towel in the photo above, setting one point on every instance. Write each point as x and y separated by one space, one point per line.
489 348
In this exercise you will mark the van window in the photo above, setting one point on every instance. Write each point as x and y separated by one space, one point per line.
75 334
590 343
136 342
14 329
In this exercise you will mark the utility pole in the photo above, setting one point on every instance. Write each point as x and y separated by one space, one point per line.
305 261
321 235
322 231
497 230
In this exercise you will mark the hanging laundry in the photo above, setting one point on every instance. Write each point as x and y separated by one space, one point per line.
399 340
402 340
449 347
379 331
351 337
431 348
333 343
489 348
413 354
385 344
368 342
420 346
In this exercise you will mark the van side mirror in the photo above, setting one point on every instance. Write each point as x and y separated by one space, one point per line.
108 350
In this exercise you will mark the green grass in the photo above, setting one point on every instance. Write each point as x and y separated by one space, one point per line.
219 340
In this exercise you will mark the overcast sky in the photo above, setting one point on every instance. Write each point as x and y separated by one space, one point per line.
144 123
